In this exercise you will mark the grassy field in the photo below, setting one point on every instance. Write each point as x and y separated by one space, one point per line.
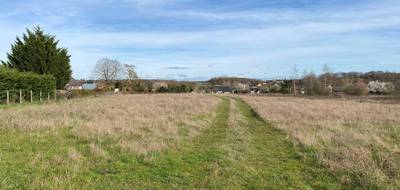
151 142
358 141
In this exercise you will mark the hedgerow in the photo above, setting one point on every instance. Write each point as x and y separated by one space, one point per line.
15 80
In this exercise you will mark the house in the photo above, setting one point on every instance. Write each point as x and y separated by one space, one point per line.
222 90
89 86
74 85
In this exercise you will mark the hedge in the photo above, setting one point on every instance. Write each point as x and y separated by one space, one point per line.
15 80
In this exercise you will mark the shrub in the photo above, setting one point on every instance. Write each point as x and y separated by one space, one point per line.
14 80
285 87
276 88
162 90
357 89
179 88
313 86
137 87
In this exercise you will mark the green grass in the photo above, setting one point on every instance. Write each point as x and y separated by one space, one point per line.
247 154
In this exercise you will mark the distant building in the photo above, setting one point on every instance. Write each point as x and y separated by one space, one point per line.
89 86
222 90
74 85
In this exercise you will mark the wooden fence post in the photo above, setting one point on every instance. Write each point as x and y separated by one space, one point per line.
20 96
40 96
8 97
55 95
48 96
31 96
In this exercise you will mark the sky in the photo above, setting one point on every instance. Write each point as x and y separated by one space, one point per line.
200 39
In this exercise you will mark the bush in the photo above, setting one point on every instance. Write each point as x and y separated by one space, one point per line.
14 80
179 88
162 90
137 87
313 86
357 89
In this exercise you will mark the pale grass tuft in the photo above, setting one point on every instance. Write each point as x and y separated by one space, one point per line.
98 151
74 155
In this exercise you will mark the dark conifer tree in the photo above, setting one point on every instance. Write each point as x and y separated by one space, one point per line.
38 52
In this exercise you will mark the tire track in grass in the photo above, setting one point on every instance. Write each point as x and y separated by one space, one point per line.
276 162
239 151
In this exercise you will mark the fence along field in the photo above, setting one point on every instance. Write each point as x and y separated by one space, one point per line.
18 87
8 97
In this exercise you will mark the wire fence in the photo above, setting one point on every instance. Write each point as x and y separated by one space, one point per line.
8 97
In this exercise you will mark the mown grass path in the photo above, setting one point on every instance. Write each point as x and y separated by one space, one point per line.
239 151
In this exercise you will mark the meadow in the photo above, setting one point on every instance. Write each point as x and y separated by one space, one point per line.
358 140
150 141
194 141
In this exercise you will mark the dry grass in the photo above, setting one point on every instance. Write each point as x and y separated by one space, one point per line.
139 123
361 139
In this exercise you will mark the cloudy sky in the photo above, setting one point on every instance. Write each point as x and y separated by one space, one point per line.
199 39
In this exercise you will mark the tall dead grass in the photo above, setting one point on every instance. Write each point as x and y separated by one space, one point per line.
138 123
360 139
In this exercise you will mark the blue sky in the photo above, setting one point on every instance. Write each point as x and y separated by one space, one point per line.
199 39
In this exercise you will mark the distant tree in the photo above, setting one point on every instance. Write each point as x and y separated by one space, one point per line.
131 72
39 53
312 85
138 87
108 70
327 74
357 89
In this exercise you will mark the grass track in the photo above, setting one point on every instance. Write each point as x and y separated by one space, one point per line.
239 151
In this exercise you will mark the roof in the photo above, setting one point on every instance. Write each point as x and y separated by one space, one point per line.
89 86
74 82
222 89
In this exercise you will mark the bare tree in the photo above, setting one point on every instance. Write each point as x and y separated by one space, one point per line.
327 73
108 69
131 72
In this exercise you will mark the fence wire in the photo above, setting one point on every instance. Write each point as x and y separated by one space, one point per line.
24 96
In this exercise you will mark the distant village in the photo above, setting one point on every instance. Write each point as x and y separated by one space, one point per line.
378 83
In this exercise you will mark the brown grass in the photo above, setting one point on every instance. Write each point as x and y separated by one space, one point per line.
359 138
139 123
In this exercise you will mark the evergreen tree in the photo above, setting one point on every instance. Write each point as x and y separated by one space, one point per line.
38 52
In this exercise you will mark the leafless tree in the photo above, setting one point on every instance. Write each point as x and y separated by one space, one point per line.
327 74
108 69
131 72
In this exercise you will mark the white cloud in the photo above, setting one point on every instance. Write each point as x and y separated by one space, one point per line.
253 41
